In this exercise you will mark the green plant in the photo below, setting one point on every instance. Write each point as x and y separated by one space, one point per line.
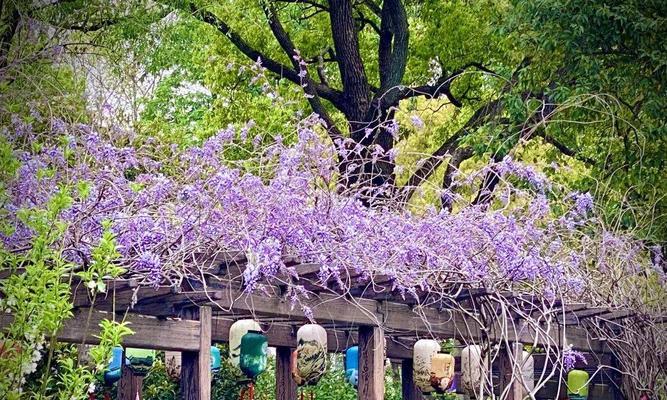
37 294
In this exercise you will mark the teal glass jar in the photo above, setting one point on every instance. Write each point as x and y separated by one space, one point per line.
254 354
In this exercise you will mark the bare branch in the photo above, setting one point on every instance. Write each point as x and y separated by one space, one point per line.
428 167
306 82
269 63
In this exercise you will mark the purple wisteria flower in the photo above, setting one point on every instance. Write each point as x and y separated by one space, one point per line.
570 358
417 122
185 205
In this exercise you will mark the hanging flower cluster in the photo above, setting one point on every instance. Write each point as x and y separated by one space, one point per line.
174 212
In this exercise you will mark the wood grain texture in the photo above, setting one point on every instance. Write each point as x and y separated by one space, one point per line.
204 357
408 387
196 365
285 385
371 363
149 332
510 372
130 384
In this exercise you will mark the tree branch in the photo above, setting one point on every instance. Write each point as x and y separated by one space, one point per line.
424 172
10 25
356 92
330 94
392 50
491 180
442 86
458 156
307 83
85 28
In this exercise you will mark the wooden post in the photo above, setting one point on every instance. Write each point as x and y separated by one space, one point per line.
510 366
371 363
196 365
285 385
129 385
409 389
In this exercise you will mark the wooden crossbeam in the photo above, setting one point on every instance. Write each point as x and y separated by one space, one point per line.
394 317
371 363
149 333
279 335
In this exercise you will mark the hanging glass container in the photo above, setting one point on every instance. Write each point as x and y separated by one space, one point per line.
423 352
473 368
528 371
253 357
352 365
236 333
442 371
310 361
113 371
140 361
577 384
216 360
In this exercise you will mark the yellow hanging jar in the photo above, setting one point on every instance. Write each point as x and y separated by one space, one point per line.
442 372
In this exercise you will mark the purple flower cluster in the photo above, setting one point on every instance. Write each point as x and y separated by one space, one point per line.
173 216
570 358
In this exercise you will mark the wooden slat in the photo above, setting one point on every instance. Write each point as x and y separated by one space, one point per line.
285 385
149 332
196 365
130 385
371 363
285 336
171 304
204 357
391 316
510 372
409 390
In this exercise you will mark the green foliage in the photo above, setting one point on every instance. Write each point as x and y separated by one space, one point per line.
102 264
37 294
333 386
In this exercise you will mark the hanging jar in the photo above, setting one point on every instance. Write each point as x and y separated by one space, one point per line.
139 361
528 371
216 359
442 371
114 370
473 369
309 360
254 354
236 333
253 358
352 365
577 384
423 352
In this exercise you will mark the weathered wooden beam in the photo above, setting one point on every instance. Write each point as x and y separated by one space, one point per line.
204 359
149 333
510 372
130 385
285 385
409 390
196 365
391 316
171 304
338 341
125 300
371 363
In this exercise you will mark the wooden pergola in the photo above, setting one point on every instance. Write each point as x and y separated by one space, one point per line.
191 317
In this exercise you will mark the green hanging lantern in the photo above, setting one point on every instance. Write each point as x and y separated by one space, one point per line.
253 357
577 385
139 361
